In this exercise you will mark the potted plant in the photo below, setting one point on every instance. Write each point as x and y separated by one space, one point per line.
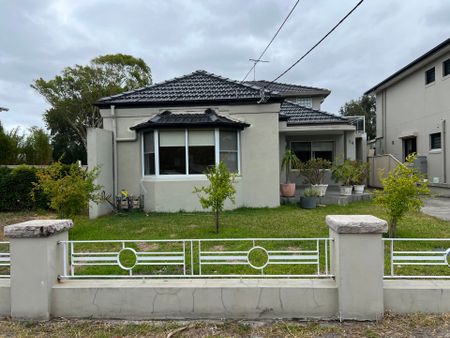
343 173
309 198
314 173
290 160
360 173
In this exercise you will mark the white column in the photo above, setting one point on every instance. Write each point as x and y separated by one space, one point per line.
358 264
36 262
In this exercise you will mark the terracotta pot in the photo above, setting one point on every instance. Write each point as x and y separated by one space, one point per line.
287 189
359 189
321 188
346 190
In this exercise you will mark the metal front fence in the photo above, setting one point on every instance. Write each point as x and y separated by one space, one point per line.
198 258
5 260
417 258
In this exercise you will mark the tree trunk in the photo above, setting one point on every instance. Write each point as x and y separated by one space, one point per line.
217 222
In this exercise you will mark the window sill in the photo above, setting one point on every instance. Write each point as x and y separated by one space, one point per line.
177 178
435 151
427 85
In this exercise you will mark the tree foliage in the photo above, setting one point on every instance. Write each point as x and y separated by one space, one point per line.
219 190
71 96
69 189
20 148
364 106
403 190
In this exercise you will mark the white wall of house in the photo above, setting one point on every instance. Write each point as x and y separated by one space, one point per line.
409 107
257 184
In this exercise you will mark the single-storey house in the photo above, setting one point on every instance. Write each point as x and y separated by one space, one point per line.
412 111
157 141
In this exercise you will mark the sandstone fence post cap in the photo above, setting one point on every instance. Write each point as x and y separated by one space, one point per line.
356 224
38 228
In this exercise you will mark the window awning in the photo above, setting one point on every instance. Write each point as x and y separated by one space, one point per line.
207 119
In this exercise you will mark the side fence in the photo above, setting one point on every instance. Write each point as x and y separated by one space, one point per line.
353 274
380 164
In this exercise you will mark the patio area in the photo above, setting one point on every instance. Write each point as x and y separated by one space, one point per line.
332 196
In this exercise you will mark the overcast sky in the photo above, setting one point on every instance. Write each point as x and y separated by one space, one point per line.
40 38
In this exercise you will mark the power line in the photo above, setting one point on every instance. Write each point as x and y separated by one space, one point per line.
268 45
318 43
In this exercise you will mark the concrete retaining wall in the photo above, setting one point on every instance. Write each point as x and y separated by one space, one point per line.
195 299
5 298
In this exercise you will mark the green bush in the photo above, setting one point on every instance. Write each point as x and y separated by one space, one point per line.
69 188
16 186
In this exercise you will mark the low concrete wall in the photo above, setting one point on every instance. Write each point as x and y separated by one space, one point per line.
5 298
410 296
195 299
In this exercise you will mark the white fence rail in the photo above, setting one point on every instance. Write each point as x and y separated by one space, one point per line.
418 258
198 258
5 260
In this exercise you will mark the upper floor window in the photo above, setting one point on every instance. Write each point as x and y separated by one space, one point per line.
189 152
430 76
446 68
435 141
304 101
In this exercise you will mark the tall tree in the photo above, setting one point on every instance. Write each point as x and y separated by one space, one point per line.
10 146
364 106
72 94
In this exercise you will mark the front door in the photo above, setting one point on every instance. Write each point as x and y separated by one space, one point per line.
409 146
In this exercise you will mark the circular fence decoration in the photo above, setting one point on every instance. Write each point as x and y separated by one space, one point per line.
258 257
127 258
447 257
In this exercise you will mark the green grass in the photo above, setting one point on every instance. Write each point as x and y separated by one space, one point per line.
285 221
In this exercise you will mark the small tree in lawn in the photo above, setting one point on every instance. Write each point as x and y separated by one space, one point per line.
219 190
404 190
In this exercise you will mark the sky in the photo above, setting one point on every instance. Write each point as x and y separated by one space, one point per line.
174 37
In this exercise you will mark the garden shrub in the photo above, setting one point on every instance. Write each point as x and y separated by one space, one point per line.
69 188
16 186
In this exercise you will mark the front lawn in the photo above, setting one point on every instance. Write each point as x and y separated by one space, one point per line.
282 222
285 221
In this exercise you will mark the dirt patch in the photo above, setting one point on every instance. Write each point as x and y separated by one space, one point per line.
218 248
143 246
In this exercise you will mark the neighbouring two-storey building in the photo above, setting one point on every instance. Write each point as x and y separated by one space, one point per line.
413 112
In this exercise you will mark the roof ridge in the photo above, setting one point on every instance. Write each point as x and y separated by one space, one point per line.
291 84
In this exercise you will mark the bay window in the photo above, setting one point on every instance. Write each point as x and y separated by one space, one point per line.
189 151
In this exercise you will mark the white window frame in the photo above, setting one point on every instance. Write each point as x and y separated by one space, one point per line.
186 176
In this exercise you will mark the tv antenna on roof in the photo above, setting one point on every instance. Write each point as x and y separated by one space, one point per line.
256 61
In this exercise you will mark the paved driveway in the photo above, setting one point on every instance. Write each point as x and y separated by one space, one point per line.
438 207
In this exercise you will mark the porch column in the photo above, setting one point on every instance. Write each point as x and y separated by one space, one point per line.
358 264
36 262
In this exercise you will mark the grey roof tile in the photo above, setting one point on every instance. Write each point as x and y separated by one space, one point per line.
208 119
197 87
296 114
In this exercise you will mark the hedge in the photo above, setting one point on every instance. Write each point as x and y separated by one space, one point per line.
15 189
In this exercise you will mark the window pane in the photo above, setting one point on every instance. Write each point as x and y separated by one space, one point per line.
200 158
201 138
435 141
172 138
149 145
429 76
228 140
230 160
322 146
446 67
302 150
149 164
325 155
172 160
304 101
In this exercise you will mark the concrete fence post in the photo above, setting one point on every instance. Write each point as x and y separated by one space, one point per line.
36 262
358 264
